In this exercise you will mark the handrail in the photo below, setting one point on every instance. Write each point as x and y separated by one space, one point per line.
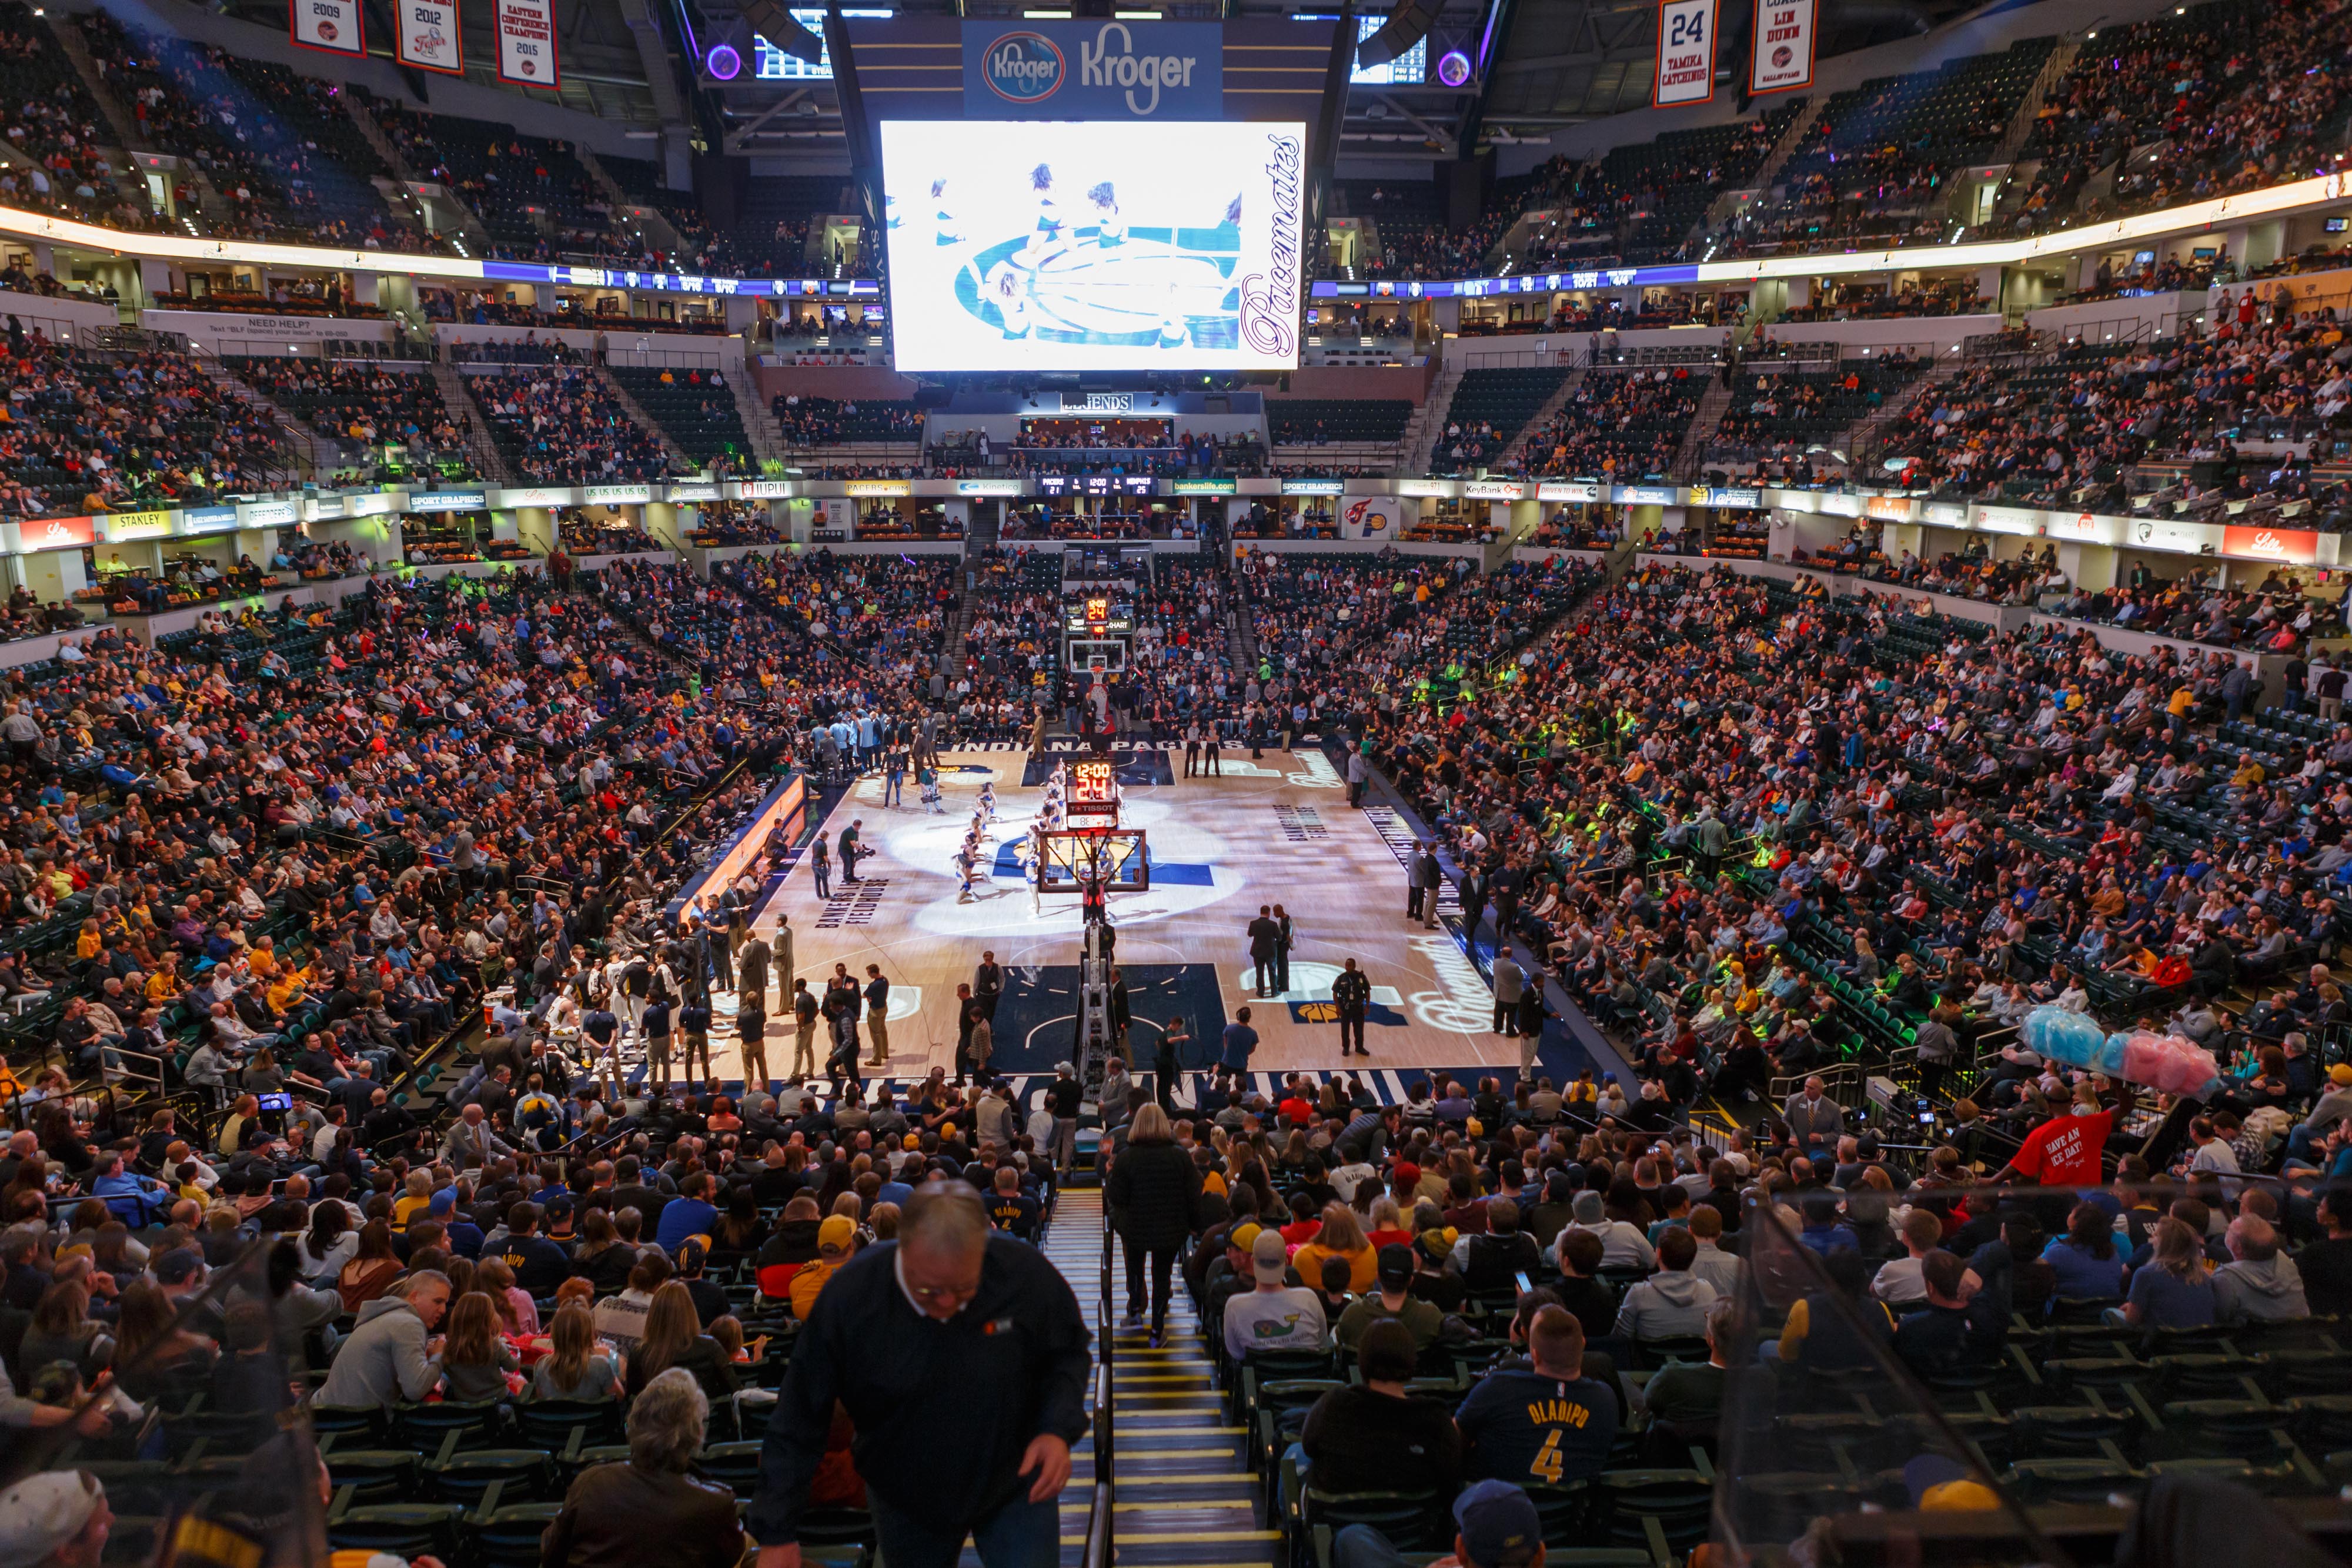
1099 1543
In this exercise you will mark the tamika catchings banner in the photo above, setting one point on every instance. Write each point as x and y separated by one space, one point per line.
1093 70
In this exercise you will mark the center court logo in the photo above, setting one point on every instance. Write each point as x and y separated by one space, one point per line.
1024 68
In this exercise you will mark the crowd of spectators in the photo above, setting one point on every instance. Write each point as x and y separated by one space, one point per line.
889 613
92 430
837 422
1619 426
563 426
370 405
719 524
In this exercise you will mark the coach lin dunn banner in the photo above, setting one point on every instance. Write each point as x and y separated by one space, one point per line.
1093 70
1685 52
1780 54
429 36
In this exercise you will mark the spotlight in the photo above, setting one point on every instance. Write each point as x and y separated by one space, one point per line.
1454 68
723 63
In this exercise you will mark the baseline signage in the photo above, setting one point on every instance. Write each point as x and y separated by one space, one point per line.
1313 487
1205 487
1780 52
526 30
987 487
330 27
121 528
2292 545
39 534
1045 69
449 501
1685 52
430 38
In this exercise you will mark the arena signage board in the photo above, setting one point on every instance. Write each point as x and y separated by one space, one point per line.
267 513
449 501
987 487
202 519
1442 488
1781 56
2271 544
537 495
1734 496
1047 70
1492 490
1205 487
1887 509
430 38
759 489
1375 517
1646 496
1312 486
2174 538
38 534
879 488
690 493
616 494
1567 490
330 27
2082 526
2009 520
1685 71
123 526
1025 246
526 30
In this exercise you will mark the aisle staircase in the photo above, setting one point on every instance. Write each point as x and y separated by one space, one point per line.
1181 1494
1428 422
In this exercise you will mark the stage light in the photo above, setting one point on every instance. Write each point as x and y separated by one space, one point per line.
723 63
1454 68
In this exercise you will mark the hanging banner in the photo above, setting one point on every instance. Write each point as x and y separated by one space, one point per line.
1781 56
1685 52
332 26
429 36
527 42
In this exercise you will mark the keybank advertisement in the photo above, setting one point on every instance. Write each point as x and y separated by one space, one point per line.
1093 70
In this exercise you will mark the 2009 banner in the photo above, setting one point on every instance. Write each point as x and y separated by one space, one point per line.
1685 52
332 26
430 38
1780 54
527 42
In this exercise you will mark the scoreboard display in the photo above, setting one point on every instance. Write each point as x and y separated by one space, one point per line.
1094 793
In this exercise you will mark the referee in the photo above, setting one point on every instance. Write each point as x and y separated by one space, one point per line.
954 1316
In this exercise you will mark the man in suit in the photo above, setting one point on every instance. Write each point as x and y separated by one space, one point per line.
1814 1119
1421 883
1264 937
850 849
751 973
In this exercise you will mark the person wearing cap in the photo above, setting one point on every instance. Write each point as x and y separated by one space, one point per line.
1544 1423
1275 1315
59 1518
1391 1302
837 1243
952 1317
1622 1244
1495 1526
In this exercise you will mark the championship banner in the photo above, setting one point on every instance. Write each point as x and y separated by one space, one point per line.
429 36
331 26
1781 56
527 42
1685 52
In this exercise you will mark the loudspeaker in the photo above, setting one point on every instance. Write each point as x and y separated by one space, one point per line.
774 23
1406 27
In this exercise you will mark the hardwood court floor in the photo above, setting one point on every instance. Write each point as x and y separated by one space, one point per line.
1276 831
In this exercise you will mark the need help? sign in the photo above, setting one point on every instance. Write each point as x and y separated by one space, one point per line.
1093 70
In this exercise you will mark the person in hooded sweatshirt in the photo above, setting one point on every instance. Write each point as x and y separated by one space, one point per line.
1622 1246
2260 1285
1671 1303
385 1361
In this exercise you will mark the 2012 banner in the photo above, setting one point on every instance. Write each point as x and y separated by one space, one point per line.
331 26
430 38
1780 54
527 42
1685 52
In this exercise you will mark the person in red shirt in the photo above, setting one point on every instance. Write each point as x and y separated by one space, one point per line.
2064 1151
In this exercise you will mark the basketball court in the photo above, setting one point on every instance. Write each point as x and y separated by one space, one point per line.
1275 830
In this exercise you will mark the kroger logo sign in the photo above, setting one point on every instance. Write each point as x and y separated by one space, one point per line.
1024 68
1095 70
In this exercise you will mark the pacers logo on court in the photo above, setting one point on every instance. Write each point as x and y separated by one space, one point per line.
1024 68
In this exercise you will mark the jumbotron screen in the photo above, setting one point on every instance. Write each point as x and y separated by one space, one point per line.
1077 246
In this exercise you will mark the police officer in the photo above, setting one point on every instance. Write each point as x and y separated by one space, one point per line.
1352 991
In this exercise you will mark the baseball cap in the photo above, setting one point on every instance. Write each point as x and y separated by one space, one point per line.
2340 1075
838 1232
1941 1484
692 1252
1407 1173
1269 1258
913 1141
1396 1267
43 1512
442 1202
1244 1236
1497 1524
555 1209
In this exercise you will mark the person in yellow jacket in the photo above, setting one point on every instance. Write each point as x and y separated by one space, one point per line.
837 1243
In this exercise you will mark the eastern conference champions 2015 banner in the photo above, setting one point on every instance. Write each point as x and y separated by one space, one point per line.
332 26
1781 56
1052 244
429 36
1685 52
527 42
1094 70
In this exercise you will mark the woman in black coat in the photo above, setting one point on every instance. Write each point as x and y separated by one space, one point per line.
1154 1194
